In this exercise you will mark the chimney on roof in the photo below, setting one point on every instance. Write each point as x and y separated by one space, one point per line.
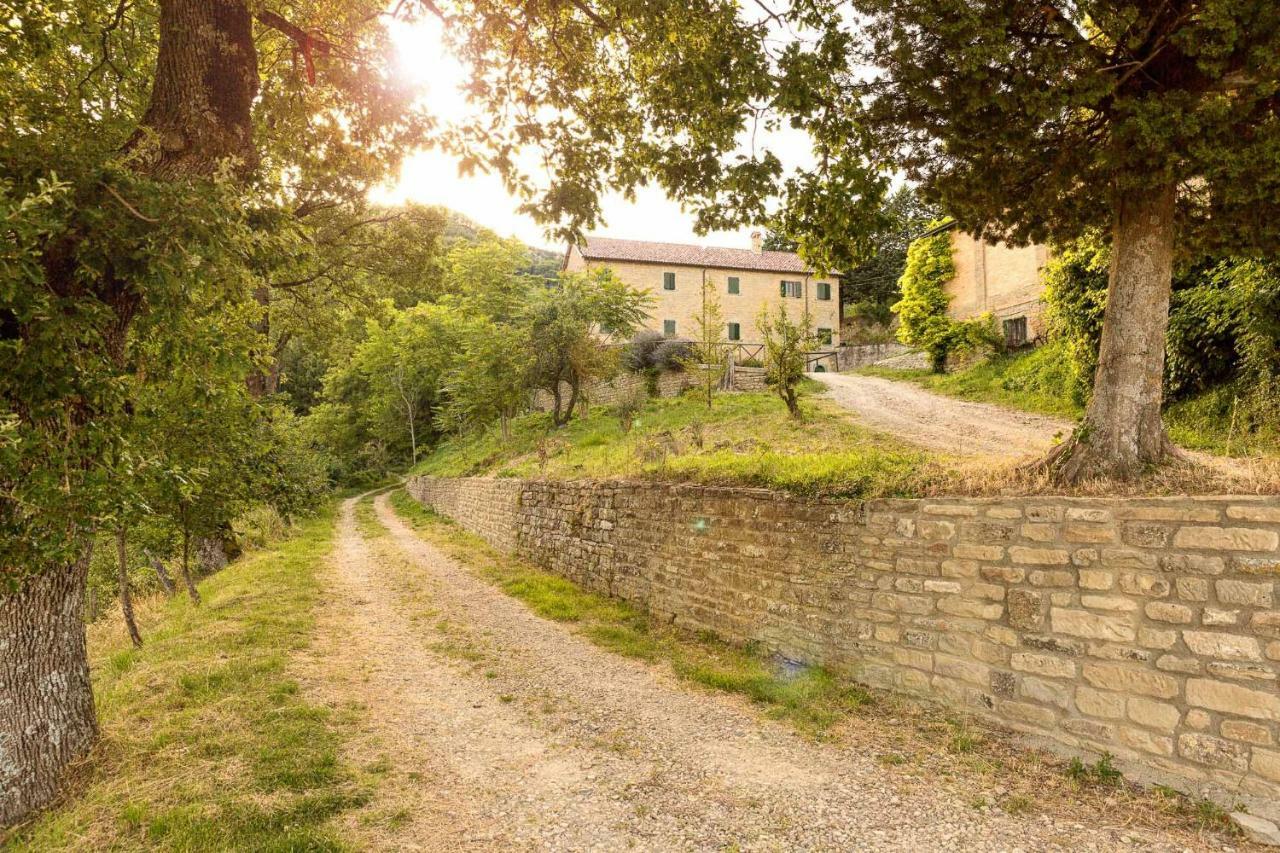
757 242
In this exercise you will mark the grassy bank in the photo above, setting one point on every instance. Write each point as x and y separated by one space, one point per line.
810 698
743 439
206 744
1220 420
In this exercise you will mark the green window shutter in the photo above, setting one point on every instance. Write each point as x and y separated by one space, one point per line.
668 281
735 332
733 284
824 290
783 291
669 328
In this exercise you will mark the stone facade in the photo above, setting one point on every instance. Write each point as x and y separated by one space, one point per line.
1146 627
756 290
998 279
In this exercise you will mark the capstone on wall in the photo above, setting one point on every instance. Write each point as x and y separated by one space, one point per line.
1149 628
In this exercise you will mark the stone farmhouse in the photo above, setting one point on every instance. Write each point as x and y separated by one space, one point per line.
995 278
746 281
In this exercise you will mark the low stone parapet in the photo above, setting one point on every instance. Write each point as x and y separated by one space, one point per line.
1149 628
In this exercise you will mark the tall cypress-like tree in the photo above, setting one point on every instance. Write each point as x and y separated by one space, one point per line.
1034 119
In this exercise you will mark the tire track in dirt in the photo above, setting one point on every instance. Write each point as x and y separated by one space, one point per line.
525 736
943 423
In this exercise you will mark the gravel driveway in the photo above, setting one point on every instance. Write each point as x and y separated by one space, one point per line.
507 731
942 423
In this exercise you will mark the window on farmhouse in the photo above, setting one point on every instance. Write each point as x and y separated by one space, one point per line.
1015 331
669 328
824 290
824 337
668 281
733 285
792 288
735 332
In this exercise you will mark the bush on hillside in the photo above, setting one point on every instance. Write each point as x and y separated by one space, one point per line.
637 357
1223 319
672 355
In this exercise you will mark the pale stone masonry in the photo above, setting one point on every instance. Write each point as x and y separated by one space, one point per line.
1146 627
998 279
744 280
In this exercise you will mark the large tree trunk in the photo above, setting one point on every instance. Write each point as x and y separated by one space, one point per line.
1122 433
205 82
199 115
47 721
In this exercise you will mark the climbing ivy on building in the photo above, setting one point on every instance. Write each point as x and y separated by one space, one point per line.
922 311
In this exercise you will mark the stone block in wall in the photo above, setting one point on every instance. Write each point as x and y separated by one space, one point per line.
1082 620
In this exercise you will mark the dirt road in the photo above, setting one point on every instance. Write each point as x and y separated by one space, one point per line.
505 731
942 423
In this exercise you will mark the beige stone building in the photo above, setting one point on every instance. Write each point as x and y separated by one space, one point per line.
746 281
1003 280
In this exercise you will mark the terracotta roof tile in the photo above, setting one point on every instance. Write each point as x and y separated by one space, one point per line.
679 254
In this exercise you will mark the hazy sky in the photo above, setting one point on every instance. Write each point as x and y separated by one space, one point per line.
431 177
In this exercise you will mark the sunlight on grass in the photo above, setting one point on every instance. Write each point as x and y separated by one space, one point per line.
207 744
1038 381
809 697
743 439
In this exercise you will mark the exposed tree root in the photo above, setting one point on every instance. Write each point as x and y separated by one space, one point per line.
1077 460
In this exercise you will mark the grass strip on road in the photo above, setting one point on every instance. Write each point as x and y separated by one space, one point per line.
206 742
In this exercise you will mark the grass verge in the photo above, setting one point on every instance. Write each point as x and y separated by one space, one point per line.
809 697
206 743
1224 421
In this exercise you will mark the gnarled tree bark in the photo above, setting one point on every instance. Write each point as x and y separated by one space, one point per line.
47 720
1122 432
199 117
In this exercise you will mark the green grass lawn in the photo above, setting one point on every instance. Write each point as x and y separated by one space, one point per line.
206 742
744 439
1219 421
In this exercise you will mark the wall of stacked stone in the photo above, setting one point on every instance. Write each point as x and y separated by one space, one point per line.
853 356
749 379
670 383
1149 628
608 392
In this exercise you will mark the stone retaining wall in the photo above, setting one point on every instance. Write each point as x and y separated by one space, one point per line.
670 383
608 392
1149 628
853 356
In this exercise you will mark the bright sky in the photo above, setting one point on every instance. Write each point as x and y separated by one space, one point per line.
431 177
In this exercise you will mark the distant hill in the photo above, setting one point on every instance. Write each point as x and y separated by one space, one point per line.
544 263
